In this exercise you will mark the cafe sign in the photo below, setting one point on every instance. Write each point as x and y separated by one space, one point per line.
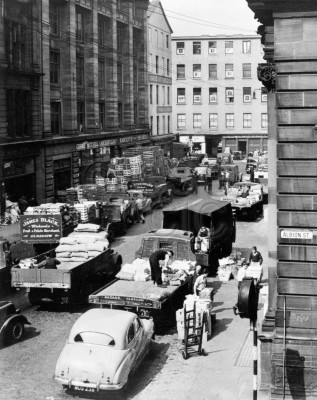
111 142
41 228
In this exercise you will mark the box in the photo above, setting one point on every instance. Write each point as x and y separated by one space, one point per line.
207 293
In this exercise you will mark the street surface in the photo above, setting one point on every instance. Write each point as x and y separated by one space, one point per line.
225 373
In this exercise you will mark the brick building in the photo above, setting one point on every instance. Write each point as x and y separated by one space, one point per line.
160 76
74 93
216 93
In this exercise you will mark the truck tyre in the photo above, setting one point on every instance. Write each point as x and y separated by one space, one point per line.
34 298
14 331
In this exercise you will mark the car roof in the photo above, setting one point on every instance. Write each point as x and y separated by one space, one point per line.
102 320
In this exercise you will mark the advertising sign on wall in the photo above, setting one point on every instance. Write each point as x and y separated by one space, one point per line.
41 228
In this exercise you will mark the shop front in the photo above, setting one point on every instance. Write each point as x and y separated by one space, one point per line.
18 172
196 142
245 143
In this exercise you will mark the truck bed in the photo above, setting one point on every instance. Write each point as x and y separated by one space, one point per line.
134 293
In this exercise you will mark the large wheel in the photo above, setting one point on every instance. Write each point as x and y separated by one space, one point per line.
14 331
184 355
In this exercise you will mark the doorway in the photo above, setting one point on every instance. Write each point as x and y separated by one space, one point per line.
242 146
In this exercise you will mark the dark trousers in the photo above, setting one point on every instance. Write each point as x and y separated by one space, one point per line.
156 272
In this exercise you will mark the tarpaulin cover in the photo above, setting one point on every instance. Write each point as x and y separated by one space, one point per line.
212 213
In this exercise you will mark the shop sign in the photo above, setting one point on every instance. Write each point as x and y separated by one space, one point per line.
111 142
41 228
304 235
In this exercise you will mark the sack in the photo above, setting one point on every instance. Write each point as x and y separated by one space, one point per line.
82 255
65 254
67 240
64 248
92 254
79 248
97 246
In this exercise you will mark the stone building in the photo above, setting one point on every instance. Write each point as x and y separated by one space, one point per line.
74 93
160 76
289 331
216 94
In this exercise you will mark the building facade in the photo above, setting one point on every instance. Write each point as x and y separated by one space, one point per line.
289 331
75 91
216 94
160 76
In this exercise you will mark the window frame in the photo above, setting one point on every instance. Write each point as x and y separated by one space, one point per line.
198 94
246 49
246 71
197 71
230 121
55 65
212 47
264 120
228 49
228 94
197 120
212 71
214 118
180 48
181 95
197 48
247 97
247 120
213 91
180 74
181 121
229 72
80 26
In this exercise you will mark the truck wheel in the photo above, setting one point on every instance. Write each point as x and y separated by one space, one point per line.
14 331
184 355
34 298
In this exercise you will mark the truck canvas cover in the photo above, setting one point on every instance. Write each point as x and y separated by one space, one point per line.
212 213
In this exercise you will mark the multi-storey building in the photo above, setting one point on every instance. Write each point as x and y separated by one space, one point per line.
73 93
160 76
216 94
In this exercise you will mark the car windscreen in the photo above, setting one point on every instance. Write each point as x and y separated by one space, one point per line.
101 339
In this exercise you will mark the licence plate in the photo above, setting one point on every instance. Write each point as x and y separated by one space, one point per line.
84 389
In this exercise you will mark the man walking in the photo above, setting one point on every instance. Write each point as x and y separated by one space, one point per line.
208 180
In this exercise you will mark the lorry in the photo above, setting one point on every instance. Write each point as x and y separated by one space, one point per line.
70 282
154 188
181 181
214 214
144 298
249 206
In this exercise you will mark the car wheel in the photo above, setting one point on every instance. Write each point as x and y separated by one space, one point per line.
185 356
14 331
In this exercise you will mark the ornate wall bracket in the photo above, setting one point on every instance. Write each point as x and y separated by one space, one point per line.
267 75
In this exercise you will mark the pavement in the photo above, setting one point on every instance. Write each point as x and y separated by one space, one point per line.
225 373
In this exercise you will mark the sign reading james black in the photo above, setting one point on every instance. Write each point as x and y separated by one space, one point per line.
41 228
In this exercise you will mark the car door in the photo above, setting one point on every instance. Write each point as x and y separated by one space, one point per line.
141 338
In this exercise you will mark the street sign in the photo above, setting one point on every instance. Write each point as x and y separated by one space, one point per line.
41 228
304 235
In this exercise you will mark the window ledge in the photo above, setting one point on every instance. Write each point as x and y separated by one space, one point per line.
213 103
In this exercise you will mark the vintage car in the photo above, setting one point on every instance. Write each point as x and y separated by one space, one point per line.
11 324
104 346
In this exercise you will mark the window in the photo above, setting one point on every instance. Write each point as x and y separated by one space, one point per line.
181 121
150 34
246 70
212 71
229 95
19 113
79 26
151 124
157 125
196 120
156 37
264 120
162 39
16 36
197 70
102 115
120 115
120 36
150 63
54 67
181 96
180 71
168 124
163 125
168 95
157 94
81 115
196 95
247 120
229 47
213 121
101 74
54 19
180 47
229 70
151 94
167 41
163 66
131 333
213 95
246 95
264 95
212 47
229 120
196 47
135 114
163 95
120 77
101 33
246 46
167 67
80 70
156 64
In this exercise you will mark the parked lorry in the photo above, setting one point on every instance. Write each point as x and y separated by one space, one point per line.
154 188
144 298
70 282
248 205
211 213
181 181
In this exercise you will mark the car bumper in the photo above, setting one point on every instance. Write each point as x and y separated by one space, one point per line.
87 386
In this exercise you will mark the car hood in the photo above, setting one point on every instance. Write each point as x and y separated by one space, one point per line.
85 362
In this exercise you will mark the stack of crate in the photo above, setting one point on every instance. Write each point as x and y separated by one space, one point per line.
71 196
111 184
100 181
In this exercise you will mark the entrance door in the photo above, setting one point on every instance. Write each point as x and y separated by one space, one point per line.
62 177
242 146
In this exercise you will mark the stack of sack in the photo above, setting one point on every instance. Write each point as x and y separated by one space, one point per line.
138 270
75 250
186 266
87 228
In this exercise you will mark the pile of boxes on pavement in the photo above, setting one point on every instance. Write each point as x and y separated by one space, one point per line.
200 305
226 269
153 162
